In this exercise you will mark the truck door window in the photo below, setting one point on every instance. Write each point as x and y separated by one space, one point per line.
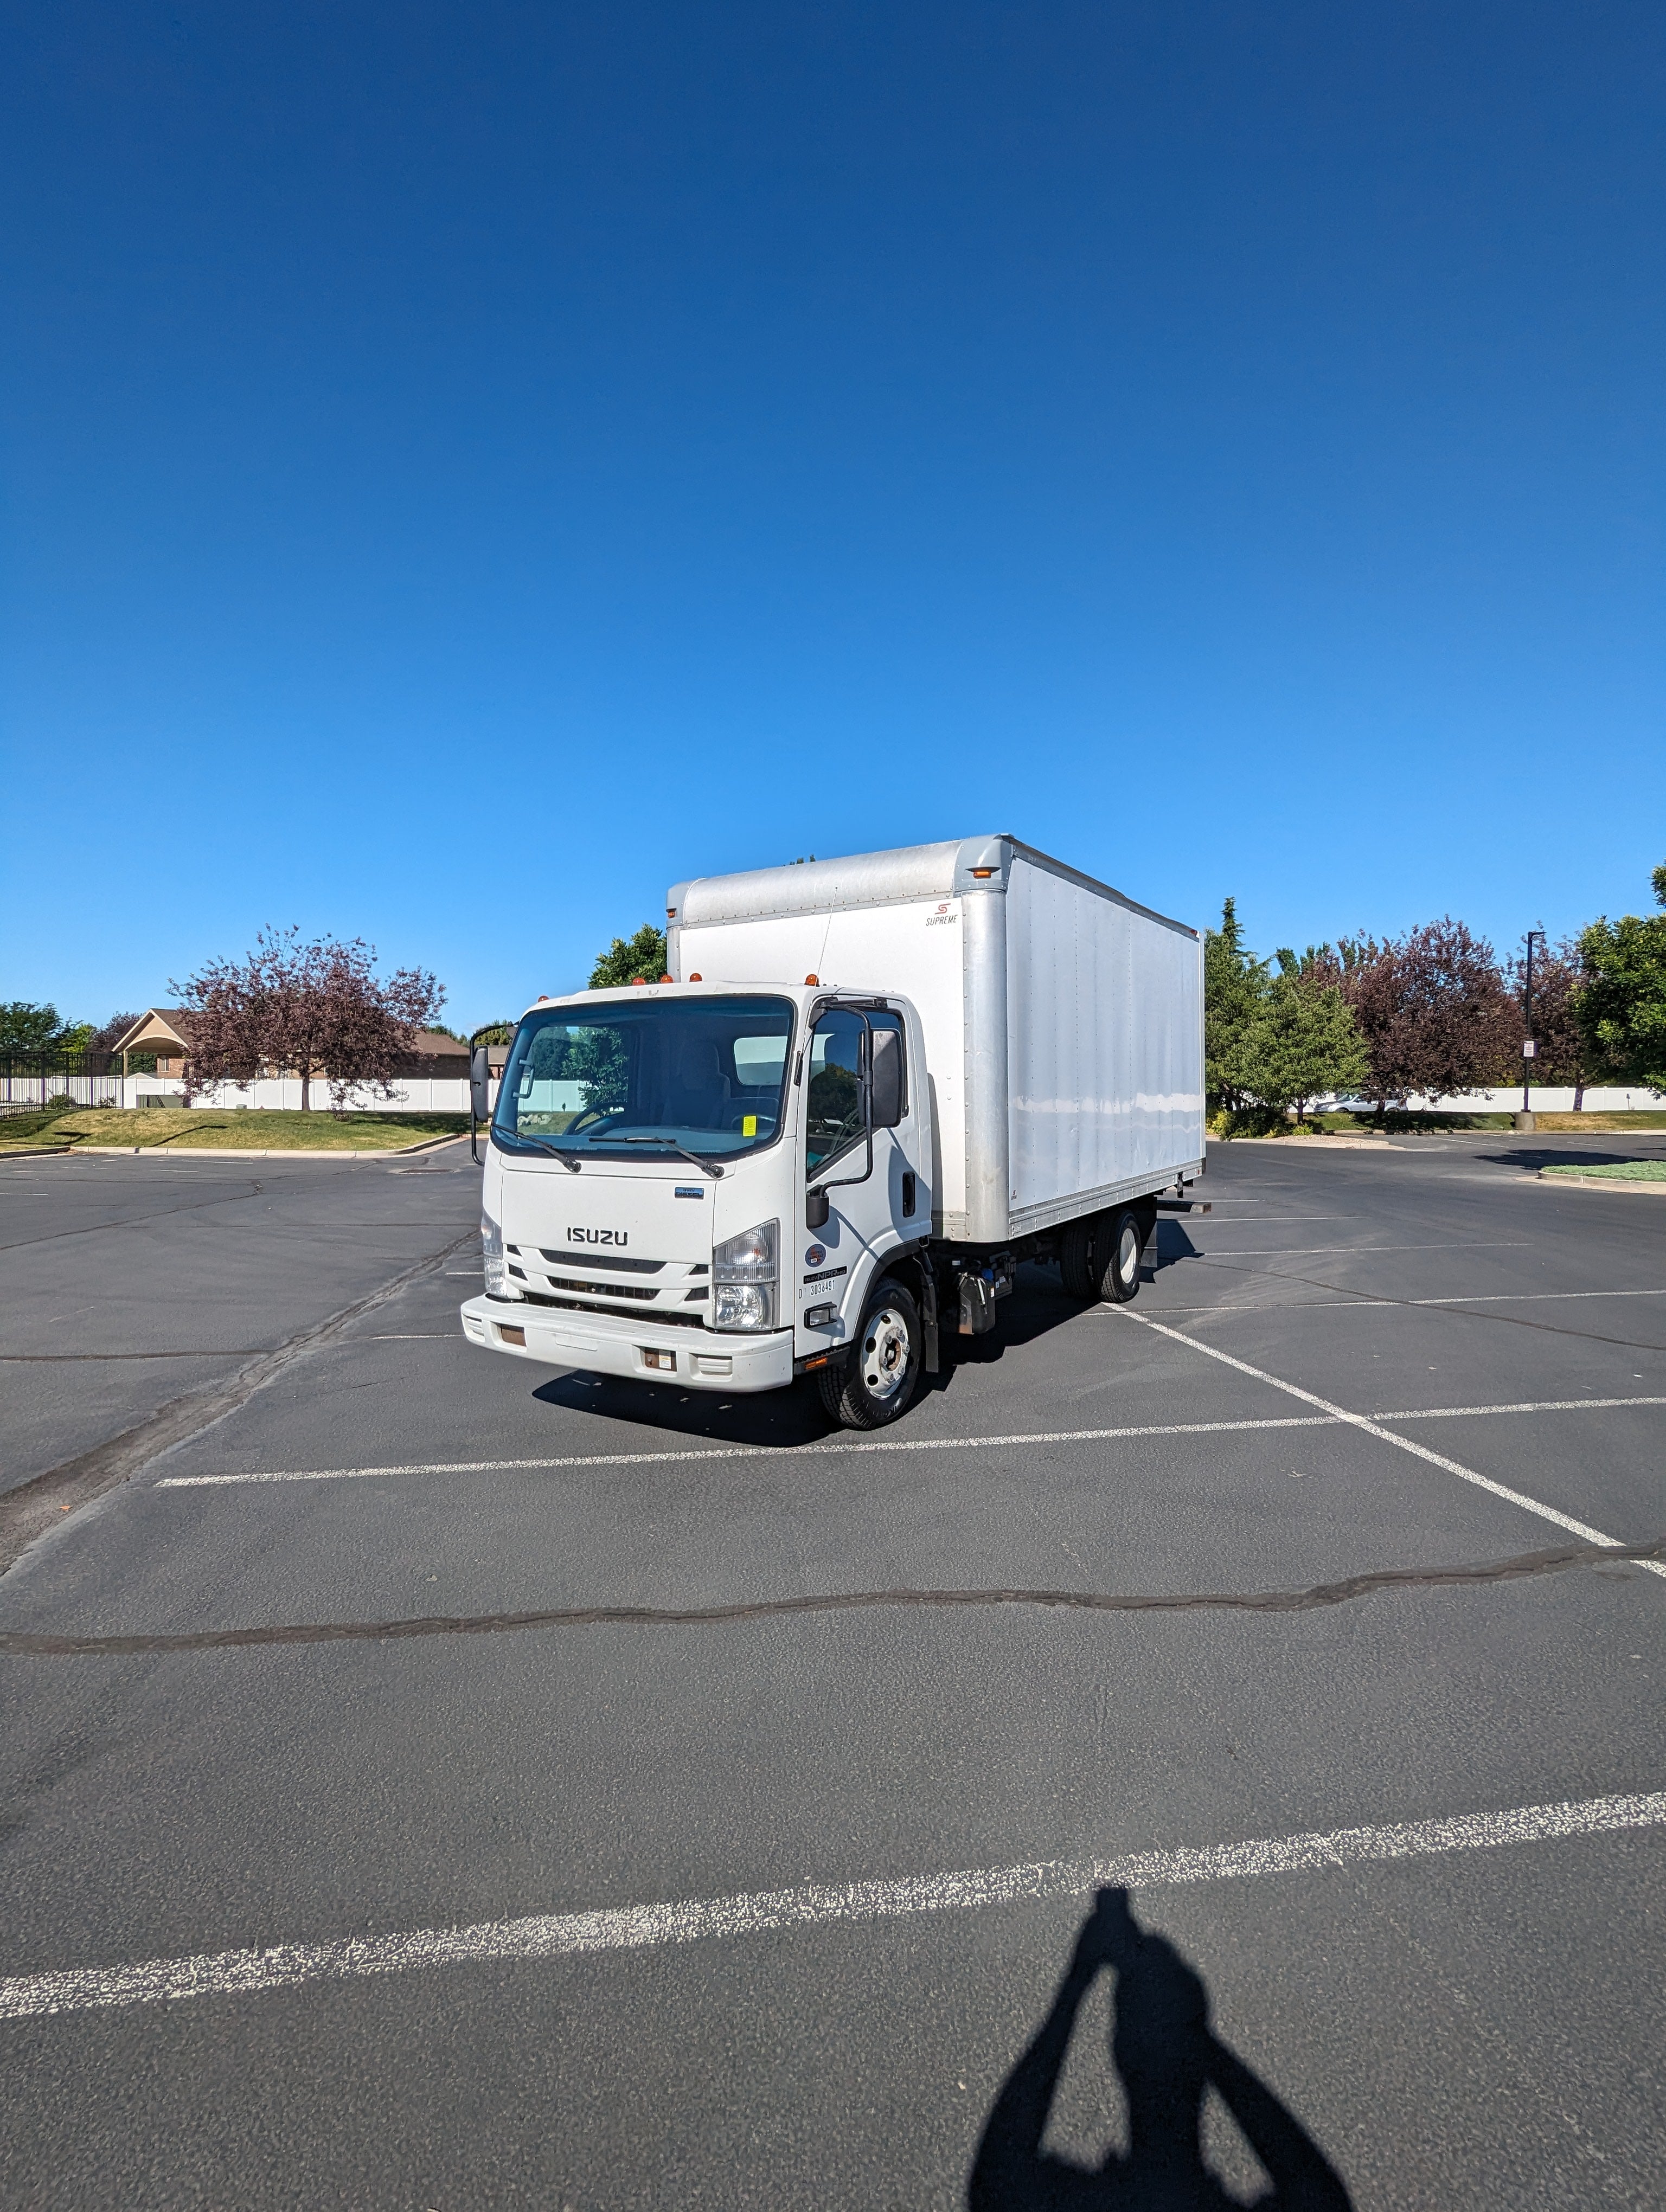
833 1108
890 1070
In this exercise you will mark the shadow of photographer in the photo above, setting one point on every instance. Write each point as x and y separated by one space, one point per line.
1168 2059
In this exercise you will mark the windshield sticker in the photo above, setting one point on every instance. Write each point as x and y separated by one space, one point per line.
749 1125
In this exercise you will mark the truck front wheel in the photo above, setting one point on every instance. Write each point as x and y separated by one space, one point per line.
1117 1251
879 1379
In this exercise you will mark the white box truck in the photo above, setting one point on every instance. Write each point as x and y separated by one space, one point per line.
821 1145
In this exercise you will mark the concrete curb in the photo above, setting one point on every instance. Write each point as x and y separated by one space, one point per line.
235 1152
1634 1189
1316 1144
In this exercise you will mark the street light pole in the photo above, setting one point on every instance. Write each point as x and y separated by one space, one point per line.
1529 1050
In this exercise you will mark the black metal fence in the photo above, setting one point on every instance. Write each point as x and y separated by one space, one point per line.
30 1080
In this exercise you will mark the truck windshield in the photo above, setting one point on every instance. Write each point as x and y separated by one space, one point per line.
706 1074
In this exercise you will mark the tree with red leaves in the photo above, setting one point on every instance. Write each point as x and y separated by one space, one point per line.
1434 1011
317 1009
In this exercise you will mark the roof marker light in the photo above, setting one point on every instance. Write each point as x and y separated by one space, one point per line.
981 873
812 978
696 977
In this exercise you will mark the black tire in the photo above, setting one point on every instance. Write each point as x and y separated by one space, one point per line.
1116 1252
1081 1279
877 1382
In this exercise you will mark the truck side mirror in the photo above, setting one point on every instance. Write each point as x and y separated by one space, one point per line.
886 1079
816 1207
480 1085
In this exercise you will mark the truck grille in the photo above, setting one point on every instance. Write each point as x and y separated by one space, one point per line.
613 1264
673 1317
560 1287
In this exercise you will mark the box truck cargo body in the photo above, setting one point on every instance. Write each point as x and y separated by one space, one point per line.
897 1074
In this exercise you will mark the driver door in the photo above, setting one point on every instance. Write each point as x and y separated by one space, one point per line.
871 1212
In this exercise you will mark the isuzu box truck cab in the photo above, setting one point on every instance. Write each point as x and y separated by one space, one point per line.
873 1086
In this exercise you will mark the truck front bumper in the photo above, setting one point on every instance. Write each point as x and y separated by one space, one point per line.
701 1359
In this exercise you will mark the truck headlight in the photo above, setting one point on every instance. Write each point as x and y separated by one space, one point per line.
495 1260
744 1278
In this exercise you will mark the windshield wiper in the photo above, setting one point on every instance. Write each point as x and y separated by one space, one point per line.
670 1144
525 1137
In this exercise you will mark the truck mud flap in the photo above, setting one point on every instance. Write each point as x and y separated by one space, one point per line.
928 1315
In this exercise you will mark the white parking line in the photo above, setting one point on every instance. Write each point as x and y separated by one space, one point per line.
1524 1406
639 1927
892 1444
1388 1437
1310 1251
1309 1305
744 1452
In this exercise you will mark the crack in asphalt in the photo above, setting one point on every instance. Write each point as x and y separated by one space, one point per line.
80 1358
229 1195
40 1644
33 1507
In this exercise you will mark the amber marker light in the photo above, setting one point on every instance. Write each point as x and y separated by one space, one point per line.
812 978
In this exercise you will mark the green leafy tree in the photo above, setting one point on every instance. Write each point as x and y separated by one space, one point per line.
1303 1043
1234 983
26 1027
599 1060
595 1057
1623 1001
635 959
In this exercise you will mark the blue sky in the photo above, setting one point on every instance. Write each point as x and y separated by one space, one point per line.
466 468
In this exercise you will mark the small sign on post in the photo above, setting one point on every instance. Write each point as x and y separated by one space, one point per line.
1530 1050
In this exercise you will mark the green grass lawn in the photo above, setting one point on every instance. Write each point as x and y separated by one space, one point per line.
30 1129
206 1129
1611 1171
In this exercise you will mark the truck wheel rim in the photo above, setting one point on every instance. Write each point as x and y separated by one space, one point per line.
885 1354
1127 1251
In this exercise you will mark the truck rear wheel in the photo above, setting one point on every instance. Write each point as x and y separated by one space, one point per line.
1117 1251
879 1379
1081 1279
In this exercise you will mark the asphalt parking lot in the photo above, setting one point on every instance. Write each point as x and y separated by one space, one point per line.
438 1783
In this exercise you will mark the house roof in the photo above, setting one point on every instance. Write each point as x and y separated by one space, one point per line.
156 1025
171 1025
